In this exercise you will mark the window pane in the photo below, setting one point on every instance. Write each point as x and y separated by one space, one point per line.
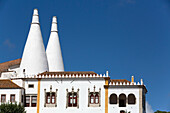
27 98
97 100
12 98
3 98
71 101
92 99
34 101
48 99
53 99
74 101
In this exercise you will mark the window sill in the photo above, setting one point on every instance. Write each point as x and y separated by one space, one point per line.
94 105
50 105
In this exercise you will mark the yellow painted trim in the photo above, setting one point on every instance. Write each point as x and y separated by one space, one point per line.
106 95
106 100
38 96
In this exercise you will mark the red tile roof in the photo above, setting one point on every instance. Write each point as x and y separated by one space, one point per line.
4 66
119 80
8 84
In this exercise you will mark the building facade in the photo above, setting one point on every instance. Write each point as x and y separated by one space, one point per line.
40 83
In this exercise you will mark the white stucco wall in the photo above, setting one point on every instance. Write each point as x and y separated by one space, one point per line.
62 85
114 108
8 92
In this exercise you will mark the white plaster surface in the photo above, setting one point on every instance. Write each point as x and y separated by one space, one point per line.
114 108
53 50
34 59
62 85
8 92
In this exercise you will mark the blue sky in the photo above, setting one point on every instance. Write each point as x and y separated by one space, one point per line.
125 37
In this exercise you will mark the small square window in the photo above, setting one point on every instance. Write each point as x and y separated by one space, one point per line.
30 85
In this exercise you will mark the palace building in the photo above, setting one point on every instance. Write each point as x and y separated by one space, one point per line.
39 82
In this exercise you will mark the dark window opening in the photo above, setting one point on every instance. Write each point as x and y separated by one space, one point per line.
131 99
31 86
122 100
113 99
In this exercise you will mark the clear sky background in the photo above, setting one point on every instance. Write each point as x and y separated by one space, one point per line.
125 37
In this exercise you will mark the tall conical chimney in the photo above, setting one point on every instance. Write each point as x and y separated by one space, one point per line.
53 50
34 59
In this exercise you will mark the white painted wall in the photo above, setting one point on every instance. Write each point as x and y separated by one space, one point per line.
62 85
114 108
8 92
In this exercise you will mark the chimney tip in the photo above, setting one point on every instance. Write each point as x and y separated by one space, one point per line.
35 11
54 19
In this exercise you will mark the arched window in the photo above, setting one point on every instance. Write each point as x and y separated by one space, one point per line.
131 99
113 99
94 98
72 99
122 100
122 111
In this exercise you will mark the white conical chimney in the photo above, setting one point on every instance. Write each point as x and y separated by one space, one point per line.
34 59
53 50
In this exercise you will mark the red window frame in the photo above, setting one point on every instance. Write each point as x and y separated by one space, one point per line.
94 99
72 99
50 98
11 98
53 97
4 97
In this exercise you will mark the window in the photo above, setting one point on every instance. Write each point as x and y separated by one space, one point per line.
31 101
27 102
12 98
50 98
30 85
3 98
122 100
131 99
113 99
94 98
72 99
53 98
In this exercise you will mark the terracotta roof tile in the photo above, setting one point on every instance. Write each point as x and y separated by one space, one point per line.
119 80
4 66
8 84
